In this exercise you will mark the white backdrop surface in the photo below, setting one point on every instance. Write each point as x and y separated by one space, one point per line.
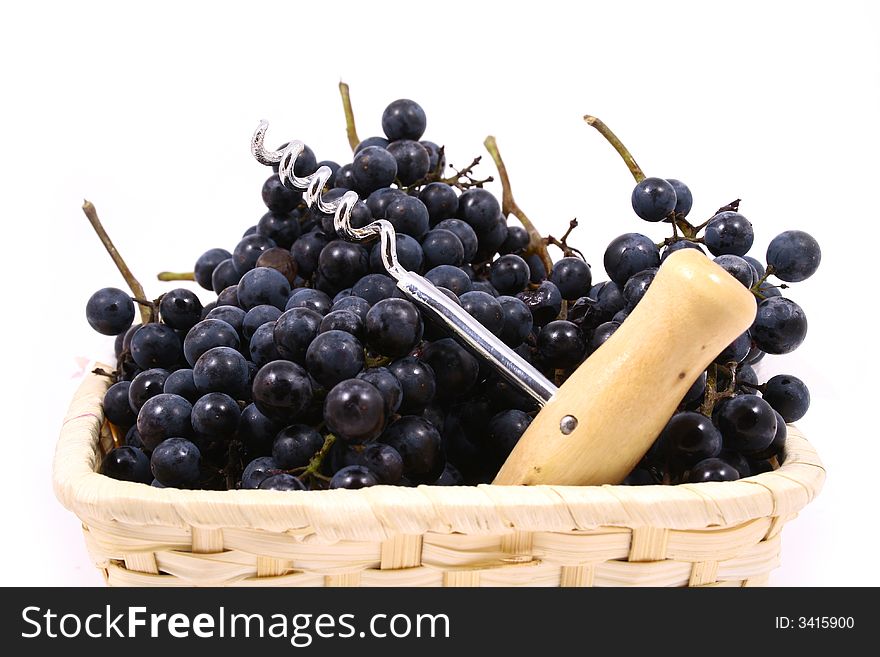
147 111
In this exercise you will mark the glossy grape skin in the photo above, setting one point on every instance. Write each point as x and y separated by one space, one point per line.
452 278
639 477
504 431
572 276
164 416
442 247
333 357
387 385
283 229
601 334
479 208
419 445
382 460
180 382
257 471
381 142
261 347
409 255
408 215
342 263
148 383
417 382
281 261
224 275
215 414
629 254
306 163
354 411
222 369
780 326
517 321
450 477
413 160
256 431
440 200
736 351
545 302
263 286
155 345
794 256
538 272
489 240
684 199
747 423
294 332
232 315
352 304
776 447
256 317
353 477
279 198
373 288
455 370
690 437
756 265
696 391
509 274
739 268
561 344
116 407
248 250
228 297
344 178
465 235
637 286
394 327
729 232
404 119
678 246
295 445
309 298
436 156
713 469
484 308
378 200
282 481
180 309
282 390
343 320
609 299
373 168
127 464
206 264
306 251
788 396
110 311
516 241
653 199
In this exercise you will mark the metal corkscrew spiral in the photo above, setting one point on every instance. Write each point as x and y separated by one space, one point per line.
417 288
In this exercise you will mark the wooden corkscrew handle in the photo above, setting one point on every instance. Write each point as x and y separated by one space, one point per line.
605 417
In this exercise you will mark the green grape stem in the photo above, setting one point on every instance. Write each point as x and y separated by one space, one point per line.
176 276
313 469
350 128
622 150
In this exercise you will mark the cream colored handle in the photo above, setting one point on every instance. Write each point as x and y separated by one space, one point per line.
621 397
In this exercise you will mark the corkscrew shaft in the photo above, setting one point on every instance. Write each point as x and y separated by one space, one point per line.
420 290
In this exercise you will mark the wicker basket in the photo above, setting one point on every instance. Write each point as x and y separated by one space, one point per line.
711 534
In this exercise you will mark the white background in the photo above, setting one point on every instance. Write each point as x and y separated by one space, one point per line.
148 113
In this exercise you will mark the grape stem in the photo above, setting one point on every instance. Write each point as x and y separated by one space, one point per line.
350 128
562 243
314 466
712 394
733 206
537 245
133 284
622 150
176 276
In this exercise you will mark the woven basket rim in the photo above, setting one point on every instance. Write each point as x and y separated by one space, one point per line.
384 511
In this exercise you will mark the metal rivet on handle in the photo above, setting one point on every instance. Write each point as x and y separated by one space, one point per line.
568 424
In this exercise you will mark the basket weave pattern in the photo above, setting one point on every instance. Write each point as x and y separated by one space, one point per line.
711 534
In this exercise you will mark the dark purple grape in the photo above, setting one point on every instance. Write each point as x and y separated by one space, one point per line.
747 423
640 477
222 369
155 345
215 414
442 247
372 169
441 201
263 286
381 142
739 462
609 299
378 200
353 304
756 264
279 198
455 369
306 163
110 311
788 395
382 460
479 208
516 241
601 335
712 470
229 297
206 264
247 251
394 327
295 445
696 391
282 390
333 357
256 317
561 345
419 445
127 464
490 240
306 251
684 199
309 298
413 160
374 288
408 215
729 232
294 332
629 254
509 274
145 385
164 416
256 431
225 274
777 446
545 302
637 286
504 431
261 347
116 407
653 199
737 267
343 320
282 481
257 471
465 235
404 119
354 477
736 351
342 263
538 272
180 382
232 315
387 385
484 308
794 256
452 278
180 309
690 437
354 411
517 321
678 246
409 255
572 276
283 229
450 477
780 326
417 383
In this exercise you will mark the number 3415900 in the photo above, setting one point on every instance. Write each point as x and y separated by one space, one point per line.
816 622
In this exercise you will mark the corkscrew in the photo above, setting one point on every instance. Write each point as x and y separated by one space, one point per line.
602 420
417 288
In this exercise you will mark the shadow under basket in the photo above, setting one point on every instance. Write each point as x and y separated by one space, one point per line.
709 534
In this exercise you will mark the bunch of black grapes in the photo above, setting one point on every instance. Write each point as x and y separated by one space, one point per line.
311 370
